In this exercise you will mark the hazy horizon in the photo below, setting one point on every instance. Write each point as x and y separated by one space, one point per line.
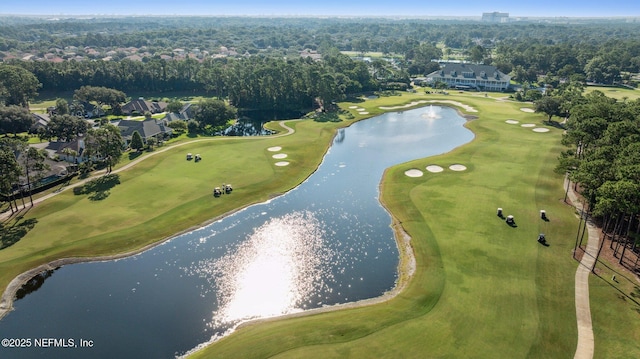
354 8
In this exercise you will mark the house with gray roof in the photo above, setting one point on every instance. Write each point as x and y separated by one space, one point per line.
471 76
142 106
147 129
40 121
73 151
186 113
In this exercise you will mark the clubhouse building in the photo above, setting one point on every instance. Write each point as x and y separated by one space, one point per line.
470 77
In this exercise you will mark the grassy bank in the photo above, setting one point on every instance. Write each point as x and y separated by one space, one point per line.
481 288
162 195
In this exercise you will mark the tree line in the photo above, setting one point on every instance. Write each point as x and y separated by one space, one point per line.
23 166
253 35
255 82
600 51
603 161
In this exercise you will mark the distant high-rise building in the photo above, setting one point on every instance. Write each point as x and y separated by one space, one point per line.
495 16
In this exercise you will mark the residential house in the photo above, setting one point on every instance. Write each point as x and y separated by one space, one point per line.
40 121
55 170
314 55
86 110
471 76
141 106
186 113
147 129
72 151
134 57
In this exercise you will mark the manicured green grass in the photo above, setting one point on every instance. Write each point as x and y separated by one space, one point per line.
616 92
615 308
481 289
165 194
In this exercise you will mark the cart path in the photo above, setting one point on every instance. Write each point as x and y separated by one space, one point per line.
585 346
7 214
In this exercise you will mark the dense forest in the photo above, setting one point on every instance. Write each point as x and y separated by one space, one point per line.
258 64
599 51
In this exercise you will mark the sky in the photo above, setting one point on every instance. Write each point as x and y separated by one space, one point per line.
412 8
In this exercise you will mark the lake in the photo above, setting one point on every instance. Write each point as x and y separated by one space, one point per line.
327 242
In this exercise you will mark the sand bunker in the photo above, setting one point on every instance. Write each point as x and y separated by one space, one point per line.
363 112
413 173
524 109
414 103
282 163
457 167
528 125
352 107
434 168
280 156
512 122
274 149
540 129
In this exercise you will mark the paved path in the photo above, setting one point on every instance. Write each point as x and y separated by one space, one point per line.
21 209
585 347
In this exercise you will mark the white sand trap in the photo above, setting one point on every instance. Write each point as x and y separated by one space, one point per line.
282 163
363 112
540 129
528 125
413 173
512 122
352 107
414 103
524 109
280 156
434 168
457 167
274 149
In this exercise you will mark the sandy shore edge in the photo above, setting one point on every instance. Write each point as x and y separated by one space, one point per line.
6 301
422 102
406 269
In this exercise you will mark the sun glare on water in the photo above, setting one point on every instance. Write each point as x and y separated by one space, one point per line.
275 271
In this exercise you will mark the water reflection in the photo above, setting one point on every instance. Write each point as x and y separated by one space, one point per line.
34 283
247 127
280 265
326 242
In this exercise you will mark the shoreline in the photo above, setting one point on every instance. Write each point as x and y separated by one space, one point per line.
406 269
406 265
8 296
421 102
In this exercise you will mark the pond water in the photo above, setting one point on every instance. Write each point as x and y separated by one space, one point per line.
326 242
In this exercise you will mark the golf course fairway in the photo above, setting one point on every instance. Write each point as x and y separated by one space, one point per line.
479 287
